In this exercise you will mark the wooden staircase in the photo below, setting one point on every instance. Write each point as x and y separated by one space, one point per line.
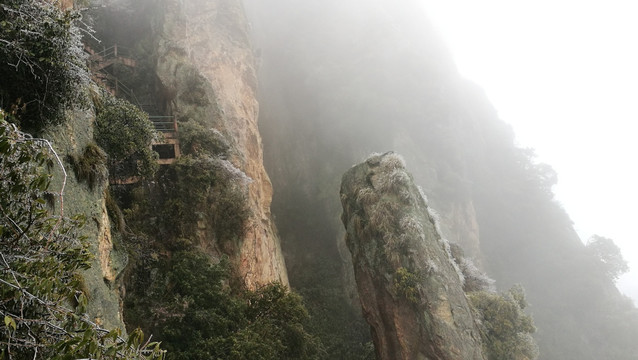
100 63
101 60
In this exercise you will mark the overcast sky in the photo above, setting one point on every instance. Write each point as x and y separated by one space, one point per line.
564 73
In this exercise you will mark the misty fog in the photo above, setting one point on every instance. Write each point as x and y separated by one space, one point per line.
339 80
319 179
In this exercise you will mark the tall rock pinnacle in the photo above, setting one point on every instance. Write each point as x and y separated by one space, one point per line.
410 288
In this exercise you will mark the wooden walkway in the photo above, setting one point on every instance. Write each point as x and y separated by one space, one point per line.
100 63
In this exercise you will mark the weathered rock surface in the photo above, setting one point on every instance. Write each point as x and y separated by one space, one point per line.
206 65
101 281
409 286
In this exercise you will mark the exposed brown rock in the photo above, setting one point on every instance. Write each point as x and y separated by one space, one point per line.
105 247
208 40
409 286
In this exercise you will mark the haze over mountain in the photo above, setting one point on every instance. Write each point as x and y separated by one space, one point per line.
340 80
186 171
584 120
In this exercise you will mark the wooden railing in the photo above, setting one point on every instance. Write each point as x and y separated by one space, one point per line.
99 62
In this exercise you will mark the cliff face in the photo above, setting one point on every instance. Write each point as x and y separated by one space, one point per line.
101 281
410 288
207 69
207 74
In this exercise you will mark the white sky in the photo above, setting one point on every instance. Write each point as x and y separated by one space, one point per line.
564 73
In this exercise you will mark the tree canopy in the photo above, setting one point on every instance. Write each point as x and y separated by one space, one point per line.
42 62
505 328
125 132
201 317
609 255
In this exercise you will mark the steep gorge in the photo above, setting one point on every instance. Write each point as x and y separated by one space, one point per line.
378 78
337 80
194 63
206 211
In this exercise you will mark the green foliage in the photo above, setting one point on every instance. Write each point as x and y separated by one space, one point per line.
505 328
609 255
40 255
203 319
196 85
201 189
115 213
406 284
42 62
196 139
90 167
126 134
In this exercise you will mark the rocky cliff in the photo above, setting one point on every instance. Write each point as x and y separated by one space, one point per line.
410 288
205 71
101 281
207 68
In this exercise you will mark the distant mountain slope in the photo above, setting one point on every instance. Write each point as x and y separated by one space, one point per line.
340 80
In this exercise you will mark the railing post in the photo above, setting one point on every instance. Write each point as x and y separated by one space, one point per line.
115 50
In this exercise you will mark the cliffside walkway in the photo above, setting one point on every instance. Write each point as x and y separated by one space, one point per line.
100 63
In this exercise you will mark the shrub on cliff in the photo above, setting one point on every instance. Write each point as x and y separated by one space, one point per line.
506 330
201 189
197 139
126 134
203 319
42 62
90 166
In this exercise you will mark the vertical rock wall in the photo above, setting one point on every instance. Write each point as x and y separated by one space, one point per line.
204 47
101 281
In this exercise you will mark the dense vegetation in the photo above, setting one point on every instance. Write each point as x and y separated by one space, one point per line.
124 131
506 330
334 109
184 225
43 303
44 297
199 316
42 62
191 300
194 302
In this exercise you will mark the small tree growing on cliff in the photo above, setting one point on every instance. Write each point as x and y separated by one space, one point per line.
611 259
204 319
42 61
506 330
126 134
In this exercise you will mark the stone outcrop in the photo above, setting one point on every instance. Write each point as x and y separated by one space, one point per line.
409 287
206 67
101 281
